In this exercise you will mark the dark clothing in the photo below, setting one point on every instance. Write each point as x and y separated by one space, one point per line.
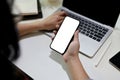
8 33
9 47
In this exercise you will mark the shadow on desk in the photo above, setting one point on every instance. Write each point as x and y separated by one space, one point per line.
37 33
59 59
33 34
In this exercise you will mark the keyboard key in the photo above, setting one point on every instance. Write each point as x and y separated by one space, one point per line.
90 29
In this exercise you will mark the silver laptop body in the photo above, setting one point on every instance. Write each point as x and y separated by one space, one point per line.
92 33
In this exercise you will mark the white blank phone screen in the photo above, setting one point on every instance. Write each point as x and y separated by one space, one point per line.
64 34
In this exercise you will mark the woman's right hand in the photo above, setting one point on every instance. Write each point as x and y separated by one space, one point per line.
73 49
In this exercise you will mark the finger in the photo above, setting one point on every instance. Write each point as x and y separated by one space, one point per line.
62 13
76 35
55 32
60 22
59 18
57 26
53 37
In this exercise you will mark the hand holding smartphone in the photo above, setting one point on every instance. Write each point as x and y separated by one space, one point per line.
64 35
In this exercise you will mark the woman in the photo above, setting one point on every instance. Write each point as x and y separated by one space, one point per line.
9 46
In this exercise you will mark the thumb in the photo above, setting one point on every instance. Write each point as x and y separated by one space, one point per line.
76 35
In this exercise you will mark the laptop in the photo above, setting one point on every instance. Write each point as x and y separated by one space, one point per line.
97 21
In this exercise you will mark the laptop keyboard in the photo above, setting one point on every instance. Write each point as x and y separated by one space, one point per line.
90 29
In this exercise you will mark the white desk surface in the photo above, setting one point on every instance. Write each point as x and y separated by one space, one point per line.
41 63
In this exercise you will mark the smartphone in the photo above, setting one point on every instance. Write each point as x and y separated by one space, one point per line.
64 35
115 60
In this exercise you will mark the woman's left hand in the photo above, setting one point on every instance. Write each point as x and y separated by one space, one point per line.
53 21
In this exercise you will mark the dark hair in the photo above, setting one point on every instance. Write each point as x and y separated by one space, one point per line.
9 46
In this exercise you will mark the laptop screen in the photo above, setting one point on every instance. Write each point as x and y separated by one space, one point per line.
103 11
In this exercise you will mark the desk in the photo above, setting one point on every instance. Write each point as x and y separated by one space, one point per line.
41 63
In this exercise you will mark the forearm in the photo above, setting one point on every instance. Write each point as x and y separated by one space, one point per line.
28 27
76 69
50 23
